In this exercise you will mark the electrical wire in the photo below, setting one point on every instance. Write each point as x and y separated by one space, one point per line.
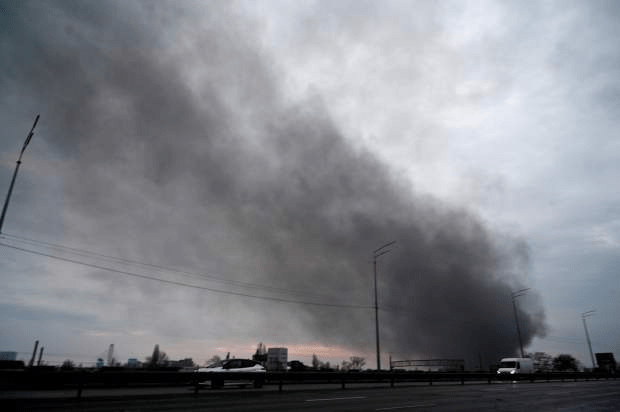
160 268
178 283
564 339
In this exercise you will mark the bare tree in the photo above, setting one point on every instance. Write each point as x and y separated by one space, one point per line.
357 362
67 365
215 359
158 358
345 366
543 362
565 362
316 363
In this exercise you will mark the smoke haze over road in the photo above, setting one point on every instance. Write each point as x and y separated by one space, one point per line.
181 146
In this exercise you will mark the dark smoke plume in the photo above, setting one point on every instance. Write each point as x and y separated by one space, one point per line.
184 150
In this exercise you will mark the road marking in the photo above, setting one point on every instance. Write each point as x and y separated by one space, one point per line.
335 399
420 405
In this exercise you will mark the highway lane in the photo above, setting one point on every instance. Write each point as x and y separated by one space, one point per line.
597 396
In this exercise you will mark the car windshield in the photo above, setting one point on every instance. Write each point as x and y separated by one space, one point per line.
511 364
215 365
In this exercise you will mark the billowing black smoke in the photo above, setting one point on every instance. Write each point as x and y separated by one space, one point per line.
185 151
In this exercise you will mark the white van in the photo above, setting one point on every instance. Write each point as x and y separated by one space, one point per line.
514 366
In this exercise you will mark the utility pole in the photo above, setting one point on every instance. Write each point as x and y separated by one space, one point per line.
19 162
34 353
376 253
515 295
585 315
40 356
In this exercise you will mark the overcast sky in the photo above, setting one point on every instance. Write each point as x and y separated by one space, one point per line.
252 155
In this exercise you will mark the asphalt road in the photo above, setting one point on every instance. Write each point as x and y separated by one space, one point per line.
596 396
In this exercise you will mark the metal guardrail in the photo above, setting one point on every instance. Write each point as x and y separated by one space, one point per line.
33 379
425 377
452 365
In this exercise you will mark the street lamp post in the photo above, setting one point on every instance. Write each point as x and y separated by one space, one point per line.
515 295
19 162
376 253
585 315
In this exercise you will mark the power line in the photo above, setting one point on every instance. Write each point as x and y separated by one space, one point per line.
116 259
178 283
563 339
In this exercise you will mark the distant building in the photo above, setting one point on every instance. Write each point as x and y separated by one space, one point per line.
261 354
133 363
99 363
606 362
11 356
183 363
277 359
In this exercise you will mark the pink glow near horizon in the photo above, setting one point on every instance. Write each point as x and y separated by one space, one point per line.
296 351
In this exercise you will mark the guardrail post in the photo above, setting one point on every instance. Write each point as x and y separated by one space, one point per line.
462 380
392 381
489 379
343 382
280 385
430 380
80 385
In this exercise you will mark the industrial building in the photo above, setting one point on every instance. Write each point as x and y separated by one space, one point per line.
8 356
277 359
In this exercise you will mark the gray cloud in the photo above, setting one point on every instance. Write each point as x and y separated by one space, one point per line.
183 150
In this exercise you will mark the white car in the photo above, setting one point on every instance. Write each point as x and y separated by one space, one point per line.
251 372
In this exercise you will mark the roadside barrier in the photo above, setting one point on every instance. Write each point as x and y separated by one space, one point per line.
47 379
